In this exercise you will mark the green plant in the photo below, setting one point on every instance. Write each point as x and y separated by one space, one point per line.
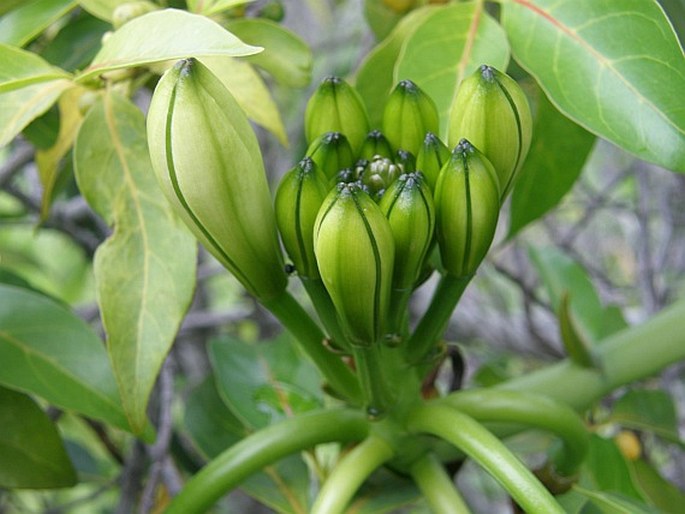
347 399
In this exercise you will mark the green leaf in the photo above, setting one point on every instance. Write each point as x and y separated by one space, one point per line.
209 7
174 36
381 18
76 43
448 45
286 57
605 469
9 5
561 275
28 87
612 503
649 411
592 61
661 493
578 349
384 493
103 9
283 486
145 272
557 154
31 451
25 23
375 75
249 90
47 351
262 383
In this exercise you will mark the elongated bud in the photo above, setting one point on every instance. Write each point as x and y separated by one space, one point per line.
355 250
432 156
331 152
408 115
336 107
406 160
375 144
299 196
408 205
492 112
466 208
209 166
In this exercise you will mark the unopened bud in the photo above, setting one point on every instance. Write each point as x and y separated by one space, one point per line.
375 144
331 152
432 156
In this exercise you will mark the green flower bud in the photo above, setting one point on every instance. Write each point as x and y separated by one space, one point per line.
405 160
331 152
466 209
299 196
492 112
130 10
336 107
354 249
409 113
209 166
375 144
377 174
432 156
408 205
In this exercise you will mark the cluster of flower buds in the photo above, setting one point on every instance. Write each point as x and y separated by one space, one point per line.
363 210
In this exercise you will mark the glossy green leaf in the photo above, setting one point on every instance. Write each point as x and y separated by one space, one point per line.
647 410
381 18
561 276
661 493
556 157
48 351
578 349
375 75
262 383
249 90
8 5
23 24
616 68
286 57
675 10
284 486
28 87
77 43
103 9
144 272
384 493
448 45
175 37
31 451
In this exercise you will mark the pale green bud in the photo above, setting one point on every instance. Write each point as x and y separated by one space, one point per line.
376 144
377 174
409 113
432 156
209 166
466 209
331 152
408 205
336 106
299 196
355 250
492 112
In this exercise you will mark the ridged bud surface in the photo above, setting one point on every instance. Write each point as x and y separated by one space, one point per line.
299 196
209 166
355 250
331 152
375 144
432 156
408 205
492 112
409 113
336 106
467 208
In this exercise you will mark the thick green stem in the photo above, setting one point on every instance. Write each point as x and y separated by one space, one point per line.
397 316
262 448
309 336
326 311
350 473
437 486
530 410
488 451
632 354
434 321
372 378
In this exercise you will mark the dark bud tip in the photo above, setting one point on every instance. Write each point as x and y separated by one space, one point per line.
487 72
407 85
185 65
463 147
289 269
430 139
332 137
306 165
375 134
331 80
